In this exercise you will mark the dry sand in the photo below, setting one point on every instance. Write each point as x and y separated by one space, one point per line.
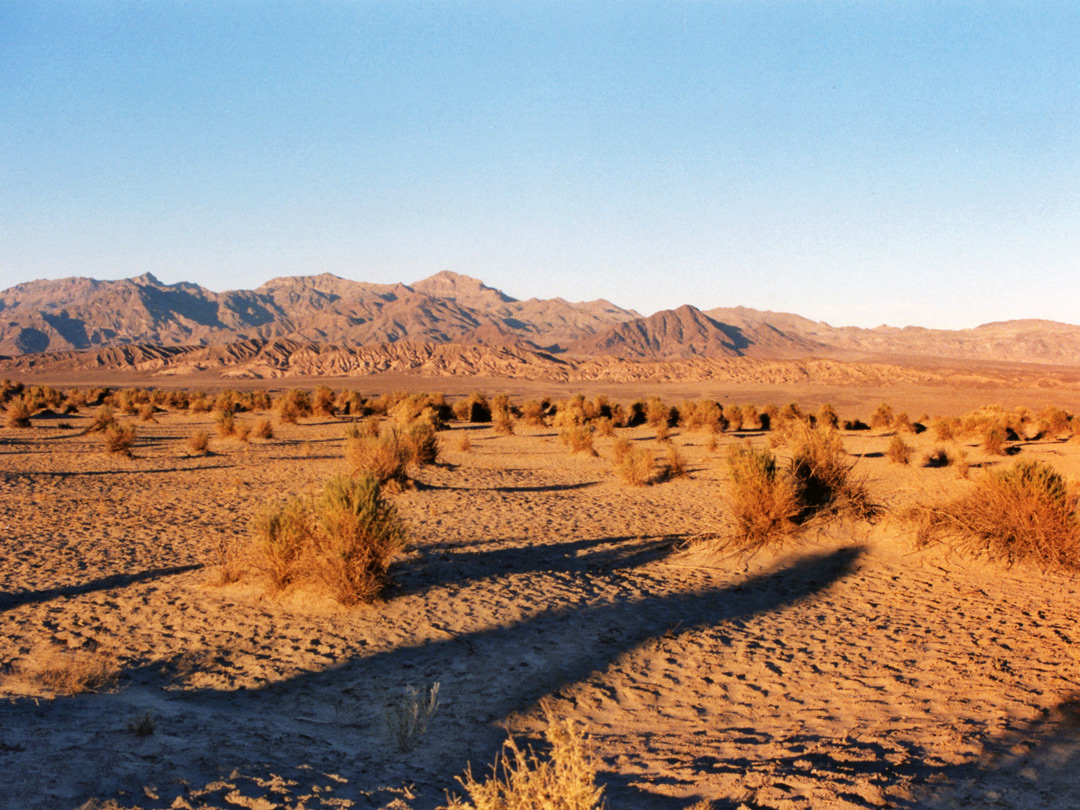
847 670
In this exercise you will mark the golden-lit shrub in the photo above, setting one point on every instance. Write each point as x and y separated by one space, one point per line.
899 451
18 414
119 439
281 535
674 464
1026 512
634 464
827 416
761 500
199 443
822 474
882 418
63 671
263 429
103 419
579 438
520 780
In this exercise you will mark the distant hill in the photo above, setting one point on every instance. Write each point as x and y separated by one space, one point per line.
81 314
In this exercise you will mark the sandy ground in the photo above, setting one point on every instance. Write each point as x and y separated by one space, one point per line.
847 670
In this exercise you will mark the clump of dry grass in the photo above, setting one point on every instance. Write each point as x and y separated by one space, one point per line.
18 414
823 476
634 464
464 443
103 418
199 443
386 456
263 429
899 451
521 780
341 542
761 500
1026 512
938 457
226 423
63 671
579 438
408 716
674 465
119 438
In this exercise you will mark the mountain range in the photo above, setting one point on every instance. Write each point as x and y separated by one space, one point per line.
324 312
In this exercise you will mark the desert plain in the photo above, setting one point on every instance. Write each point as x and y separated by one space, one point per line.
844 668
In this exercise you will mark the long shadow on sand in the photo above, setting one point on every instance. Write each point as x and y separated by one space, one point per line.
19 598
332 719
440 566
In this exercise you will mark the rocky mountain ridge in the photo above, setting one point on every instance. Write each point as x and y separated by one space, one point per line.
449 309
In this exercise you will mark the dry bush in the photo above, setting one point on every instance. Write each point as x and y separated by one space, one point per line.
945 428
761 500
520 780
882 418
993 439
63 671
938 457
226 423
579 438
605 426
293 405
734 416
899 451
242 431
902 423
827 416
713 444
358 533
420 437
823 476
1026 512
323 401
386 456
148 412
504 423
199 443
103 418
663 432
18 414
341 542
634 464
474 408
656 412
281 534
263 429
1056 420
620 448
119 438
674 465
464 443
532 412
407 717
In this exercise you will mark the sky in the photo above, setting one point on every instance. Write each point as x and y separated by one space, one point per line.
860 163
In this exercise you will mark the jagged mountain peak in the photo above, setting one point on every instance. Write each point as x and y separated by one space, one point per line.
459 287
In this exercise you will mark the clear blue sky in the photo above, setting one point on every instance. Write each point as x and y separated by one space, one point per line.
854 162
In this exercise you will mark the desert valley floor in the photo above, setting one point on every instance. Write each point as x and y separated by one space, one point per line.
846 670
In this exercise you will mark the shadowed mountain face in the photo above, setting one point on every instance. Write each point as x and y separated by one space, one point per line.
80 314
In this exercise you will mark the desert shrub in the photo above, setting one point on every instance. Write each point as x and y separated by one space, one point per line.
902 423
855 424
605 426
226 423
520 780
407 717
735 417
713 444
293 405
674 465
148 412
579 438
532 412
322 402
761 500
351 403
663 432
899 451
103 419
657 413
358 533
242 431
993 438
424 444
823 476
634 464
281 535
464 443
1026 512
1056 421
200 403
63 671
199 443
938 457
827 416
620 448
474 408
263 429
119 438
635 415
504 423
386 456
18 414
882 417
945 428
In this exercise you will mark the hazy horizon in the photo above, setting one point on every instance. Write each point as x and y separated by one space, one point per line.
911 164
